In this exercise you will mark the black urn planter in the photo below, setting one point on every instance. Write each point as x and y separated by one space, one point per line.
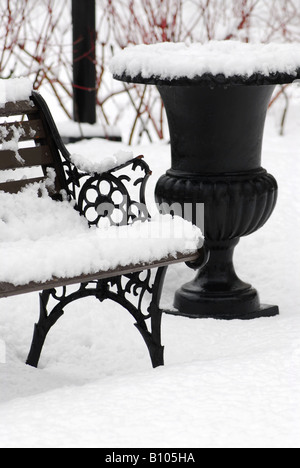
216 97
216 142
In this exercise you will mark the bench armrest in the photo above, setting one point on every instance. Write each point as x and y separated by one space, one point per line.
111 191
118 194
202 259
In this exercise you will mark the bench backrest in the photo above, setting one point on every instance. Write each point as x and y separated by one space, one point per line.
26 141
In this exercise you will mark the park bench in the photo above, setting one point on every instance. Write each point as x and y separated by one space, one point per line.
51 200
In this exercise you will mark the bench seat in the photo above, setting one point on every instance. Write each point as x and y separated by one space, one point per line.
9 289
42 239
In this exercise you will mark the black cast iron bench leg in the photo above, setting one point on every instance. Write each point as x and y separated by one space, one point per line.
153 339
105 289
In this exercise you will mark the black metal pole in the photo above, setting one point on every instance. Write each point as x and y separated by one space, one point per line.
84 60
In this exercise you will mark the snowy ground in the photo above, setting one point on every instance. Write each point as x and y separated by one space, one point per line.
224 384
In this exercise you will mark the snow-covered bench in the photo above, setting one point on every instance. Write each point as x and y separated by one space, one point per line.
77 223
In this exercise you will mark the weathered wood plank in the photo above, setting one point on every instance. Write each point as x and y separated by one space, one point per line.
32 130
15 186
35 156
18 108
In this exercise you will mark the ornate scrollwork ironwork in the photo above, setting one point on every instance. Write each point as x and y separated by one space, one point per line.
114 195
120 289
111 195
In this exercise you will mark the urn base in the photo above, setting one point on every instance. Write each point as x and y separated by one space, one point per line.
244 306
217 292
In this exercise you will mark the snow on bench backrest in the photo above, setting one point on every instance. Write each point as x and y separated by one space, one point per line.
26 152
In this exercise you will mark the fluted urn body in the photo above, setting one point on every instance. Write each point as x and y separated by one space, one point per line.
216 143
216 97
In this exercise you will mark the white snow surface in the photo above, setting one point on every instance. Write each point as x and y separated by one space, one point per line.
96 159
224 384
178 60
16 89
52 240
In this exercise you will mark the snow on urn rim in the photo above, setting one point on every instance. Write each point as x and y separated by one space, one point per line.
214 63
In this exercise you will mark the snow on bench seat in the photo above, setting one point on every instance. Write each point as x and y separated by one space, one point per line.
42 239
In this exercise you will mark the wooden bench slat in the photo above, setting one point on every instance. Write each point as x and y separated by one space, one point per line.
32 130
8 289
18 108
35 156
15 186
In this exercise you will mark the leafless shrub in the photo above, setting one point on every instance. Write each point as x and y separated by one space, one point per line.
36 41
